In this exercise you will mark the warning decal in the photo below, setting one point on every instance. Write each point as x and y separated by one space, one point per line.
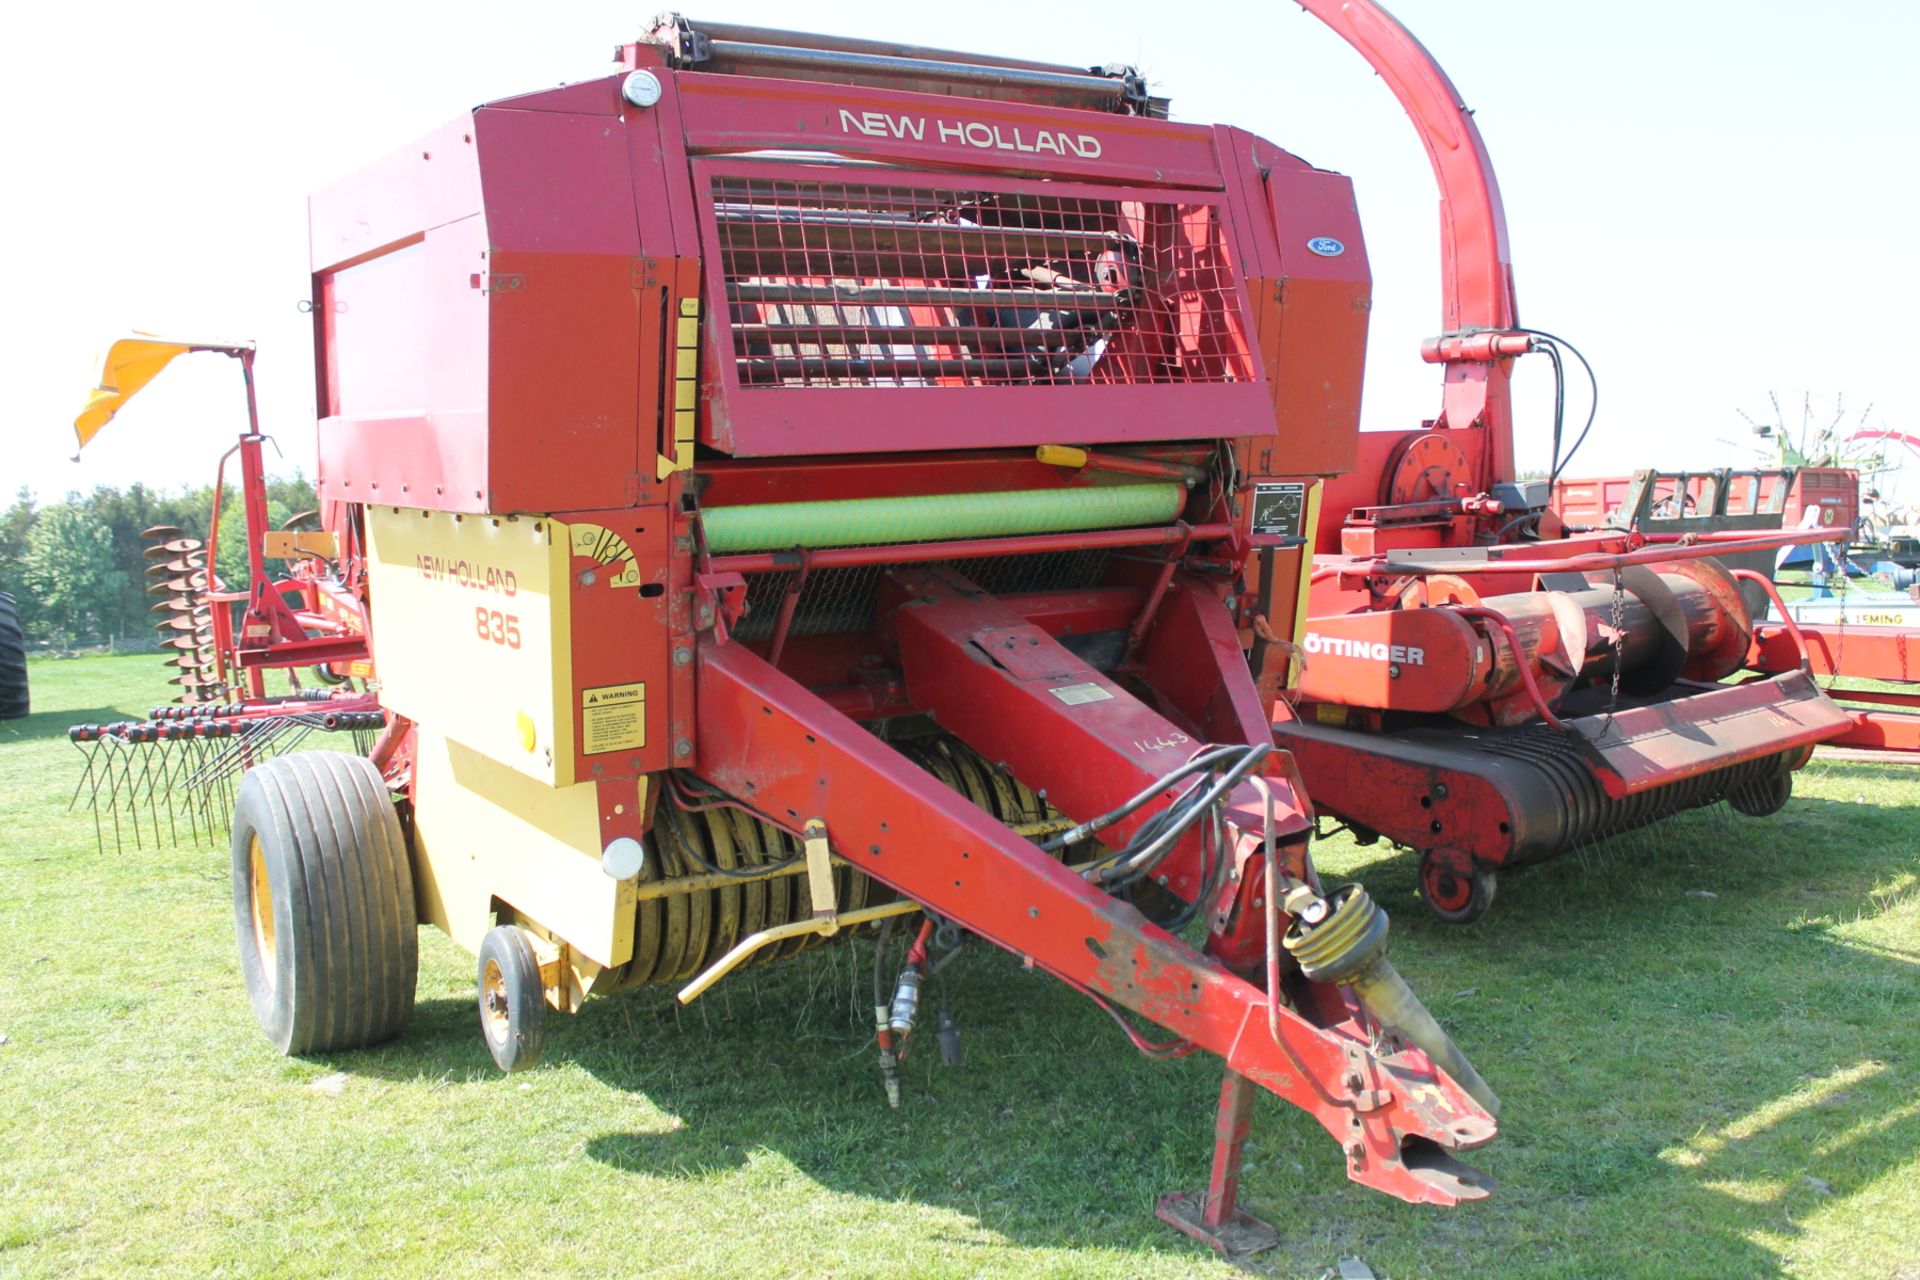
613 717
1076 694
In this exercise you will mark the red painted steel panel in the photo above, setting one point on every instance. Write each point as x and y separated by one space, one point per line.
737 113
1651 746
414 189
1864 653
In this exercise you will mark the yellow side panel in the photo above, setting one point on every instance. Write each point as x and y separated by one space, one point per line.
471 633
1309 521
483 831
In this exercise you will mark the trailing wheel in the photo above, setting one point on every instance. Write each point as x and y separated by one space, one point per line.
13 661
323 903
513 1000
1454 895
1762 796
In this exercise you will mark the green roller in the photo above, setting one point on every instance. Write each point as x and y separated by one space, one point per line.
862 522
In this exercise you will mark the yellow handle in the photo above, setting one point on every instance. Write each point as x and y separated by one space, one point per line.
1061 455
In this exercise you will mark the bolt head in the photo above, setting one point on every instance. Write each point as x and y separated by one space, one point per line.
682 656
683 748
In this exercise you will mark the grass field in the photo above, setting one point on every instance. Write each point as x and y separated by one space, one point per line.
1705 1038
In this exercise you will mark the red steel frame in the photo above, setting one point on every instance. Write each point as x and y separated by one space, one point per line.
276 632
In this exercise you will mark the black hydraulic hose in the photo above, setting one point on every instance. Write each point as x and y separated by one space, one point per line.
756 872
881 995
1559 410
1593 405
1074 835
1139 861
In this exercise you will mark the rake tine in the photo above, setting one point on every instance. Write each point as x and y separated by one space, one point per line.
141 738
120 771
174 743
86 740
206 799
88 734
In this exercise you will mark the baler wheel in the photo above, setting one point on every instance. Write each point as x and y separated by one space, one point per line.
323 903
1453 896
1764 796
513 1001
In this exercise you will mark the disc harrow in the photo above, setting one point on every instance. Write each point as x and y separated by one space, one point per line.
180 579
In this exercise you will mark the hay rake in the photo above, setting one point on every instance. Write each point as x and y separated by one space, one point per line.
175 773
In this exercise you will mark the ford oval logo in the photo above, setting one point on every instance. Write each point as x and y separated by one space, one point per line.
1326 246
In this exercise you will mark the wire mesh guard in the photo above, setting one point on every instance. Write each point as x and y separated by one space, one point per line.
839 600
834 284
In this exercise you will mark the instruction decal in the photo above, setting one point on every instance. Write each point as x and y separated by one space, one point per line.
1076 694
613 717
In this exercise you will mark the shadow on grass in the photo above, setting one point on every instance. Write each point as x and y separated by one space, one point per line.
1021 1139
53 725
1684 1071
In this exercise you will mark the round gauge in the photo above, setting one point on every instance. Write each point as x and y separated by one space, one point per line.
641 88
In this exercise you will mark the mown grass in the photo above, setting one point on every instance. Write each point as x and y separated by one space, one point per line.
1704 1035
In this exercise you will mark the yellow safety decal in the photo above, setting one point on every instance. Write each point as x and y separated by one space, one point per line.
603 546
1309 524
613 717
686 388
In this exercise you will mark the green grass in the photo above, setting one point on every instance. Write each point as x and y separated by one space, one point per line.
1676 1069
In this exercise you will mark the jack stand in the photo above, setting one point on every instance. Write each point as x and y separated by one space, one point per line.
1213 1216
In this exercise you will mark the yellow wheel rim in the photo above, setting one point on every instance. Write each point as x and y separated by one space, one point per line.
493 1002
260 907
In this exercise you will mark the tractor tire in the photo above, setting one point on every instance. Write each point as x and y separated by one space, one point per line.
323 903
14 702
513 1000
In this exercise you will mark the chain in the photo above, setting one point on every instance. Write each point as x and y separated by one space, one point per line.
1840 651
1619 647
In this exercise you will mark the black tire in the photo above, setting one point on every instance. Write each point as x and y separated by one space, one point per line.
1453 897
323 903
14 701
512 999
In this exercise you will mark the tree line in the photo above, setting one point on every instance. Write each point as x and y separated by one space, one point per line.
76 568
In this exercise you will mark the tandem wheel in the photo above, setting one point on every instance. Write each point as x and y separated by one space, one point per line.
1452 895
513 1000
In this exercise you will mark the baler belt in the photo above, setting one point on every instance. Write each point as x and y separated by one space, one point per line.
858 522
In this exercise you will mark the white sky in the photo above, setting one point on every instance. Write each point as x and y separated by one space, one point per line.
1714 199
